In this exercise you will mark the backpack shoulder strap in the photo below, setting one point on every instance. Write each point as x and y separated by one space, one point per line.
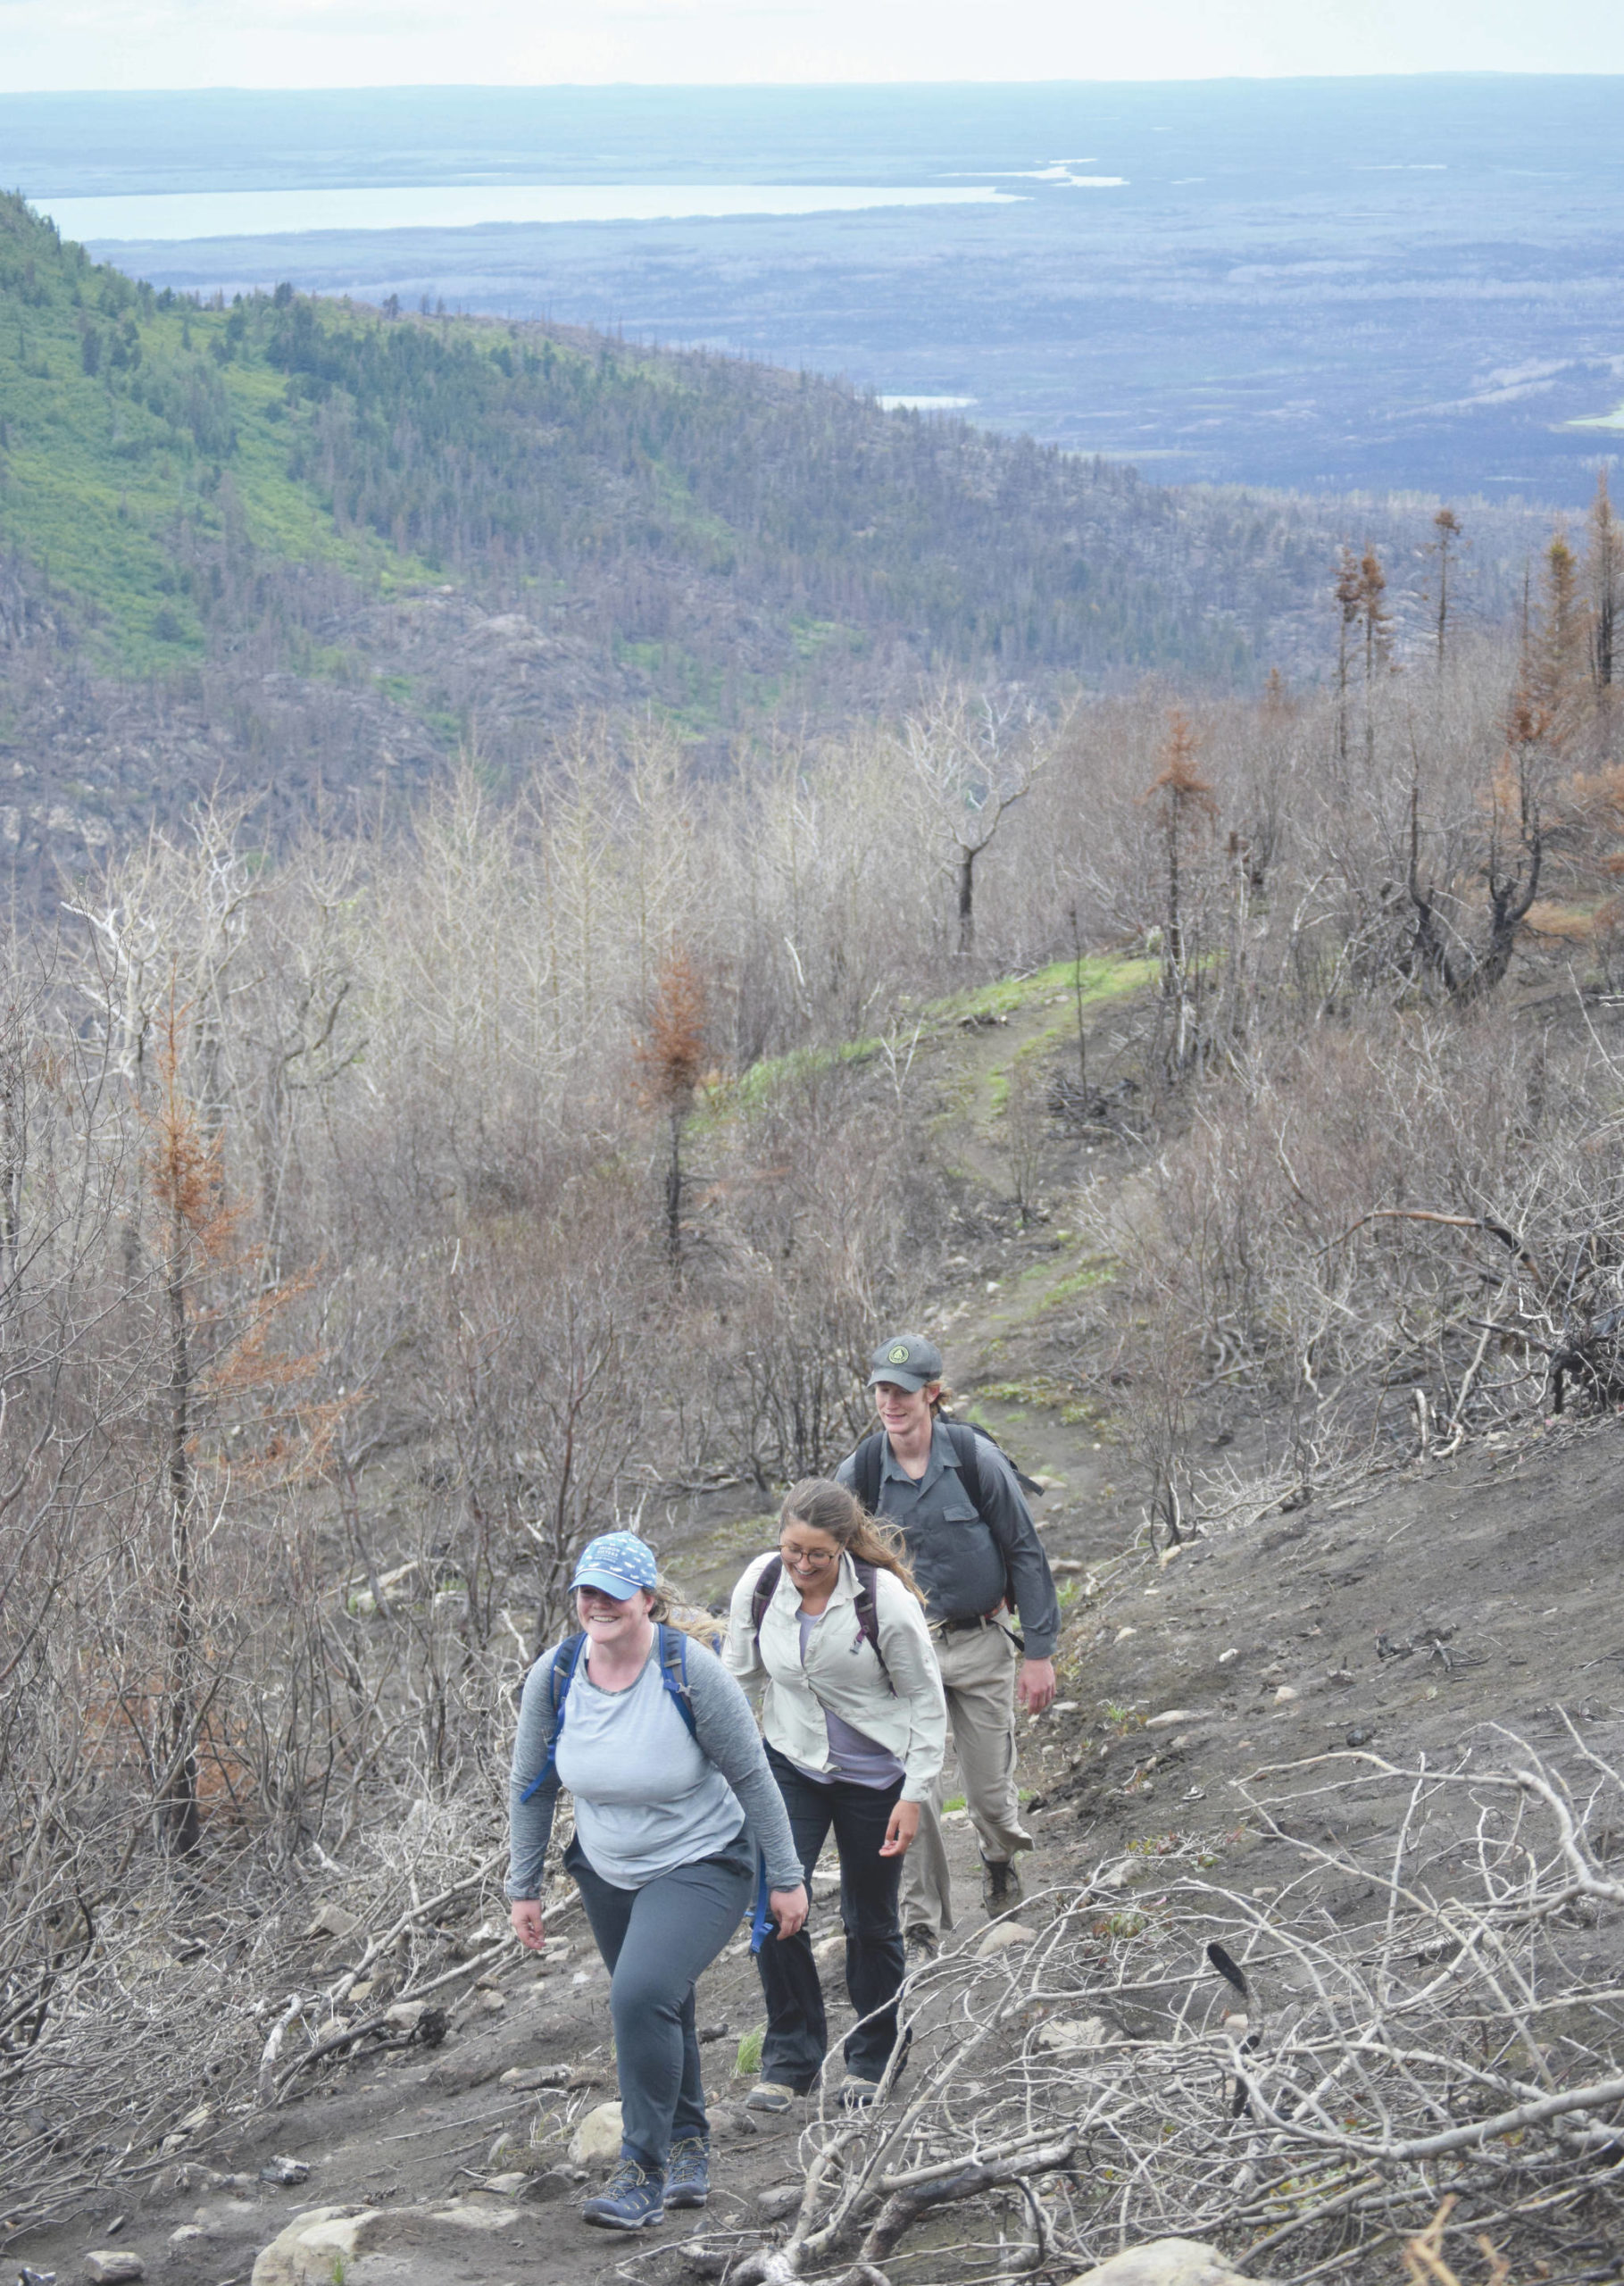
868 1462
765 1588
674 1674
565 1660
965 1440
868 1604
561 1675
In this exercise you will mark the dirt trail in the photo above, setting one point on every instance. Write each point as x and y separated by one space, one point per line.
1266 1636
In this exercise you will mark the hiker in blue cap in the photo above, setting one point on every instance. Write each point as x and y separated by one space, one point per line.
675 1807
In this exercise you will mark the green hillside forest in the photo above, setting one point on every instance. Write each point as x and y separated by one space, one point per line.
304 550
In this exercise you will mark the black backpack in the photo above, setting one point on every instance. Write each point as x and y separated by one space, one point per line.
868 1460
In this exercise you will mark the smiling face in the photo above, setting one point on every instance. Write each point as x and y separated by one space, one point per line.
904 1413
618 1623
810 1557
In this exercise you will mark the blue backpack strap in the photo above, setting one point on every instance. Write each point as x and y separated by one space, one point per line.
761 1923
565 1660
674 1674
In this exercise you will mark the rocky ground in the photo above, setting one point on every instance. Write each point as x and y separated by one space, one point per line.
1395 1616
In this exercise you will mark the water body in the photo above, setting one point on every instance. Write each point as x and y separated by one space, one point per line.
168 215
1327 284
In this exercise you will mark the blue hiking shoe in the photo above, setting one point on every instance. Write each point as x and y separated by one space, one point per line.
687 2172
630 2199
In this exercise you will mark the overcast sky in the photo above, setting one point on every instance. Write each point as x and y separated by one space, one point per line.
66 44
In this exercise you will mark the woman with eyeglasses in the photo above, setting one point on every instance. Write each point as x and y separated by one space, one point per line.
674 1812
855 1724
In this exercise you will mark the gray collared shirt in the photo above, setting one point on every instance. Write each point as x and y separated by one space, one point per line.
967 1560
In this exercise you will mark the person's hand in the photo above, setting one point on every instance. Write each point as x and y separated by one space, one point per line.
525 1914
1035 1684
789 1909
904 1824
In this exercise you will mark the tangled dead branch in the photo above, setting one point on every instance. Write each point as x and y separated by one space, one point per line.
1421 2040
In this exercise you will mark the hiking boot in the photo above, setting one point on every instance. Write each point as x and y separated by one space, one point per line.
771 2095
630 2199
920 1944
857 2094
687 2172
1000 1885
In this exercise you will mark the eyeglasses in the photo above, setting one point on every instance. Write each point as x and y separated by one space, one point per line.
802 1559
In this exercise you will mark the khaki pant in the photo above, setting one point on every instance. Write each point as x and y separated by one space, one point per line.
978 1676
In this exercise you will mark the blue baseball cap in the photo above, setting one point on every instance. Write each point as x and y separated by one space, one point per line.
619 1563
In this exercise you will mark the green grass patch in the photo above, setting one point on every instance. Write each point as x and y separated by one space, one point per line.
747 2061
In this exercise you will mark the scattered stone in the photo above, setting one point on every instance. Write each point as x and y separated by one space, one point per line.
525 2076
27 2277
1285 1695
334 1921
508 2185
732 2123
598 2136
584 2075
187 2235
1069 2033
1360 1735
825 1885
285 2172
317 2246
784 2199
708 2032
1001 1937
1228 1658
116 2264
1165 2262
549 2184
1124 1633
364 1990
492 2003
1065 1705
1171 1720
477 2215
825 1948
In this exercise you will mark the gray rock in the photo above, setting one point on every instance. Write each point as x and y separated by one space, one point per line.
1165 2262
118 2264
334 1921
1001 1937
598 2136
550 2183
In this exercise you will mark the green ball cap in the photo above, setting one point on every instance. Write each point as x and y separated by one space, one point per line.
908 1360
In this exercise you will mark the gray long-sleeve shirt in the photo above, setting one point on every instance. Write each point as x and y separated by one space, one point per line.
726 1737
966 1559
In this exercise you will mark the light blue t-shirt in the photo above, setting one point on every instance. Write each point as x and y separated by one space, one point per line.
861 1761
646 1798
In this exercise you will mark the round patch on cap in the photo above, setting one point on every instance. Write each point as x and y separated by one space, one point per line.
898 1354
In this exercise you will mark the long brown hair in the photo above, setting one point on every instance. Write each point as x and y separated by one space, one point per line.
824 1507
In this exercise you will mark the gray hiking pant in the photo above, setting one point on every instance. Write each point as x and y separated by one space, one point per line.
656 1942
978 1676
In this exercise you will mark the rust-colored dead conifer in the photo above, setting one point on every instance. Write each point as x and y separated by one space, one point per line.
671 1055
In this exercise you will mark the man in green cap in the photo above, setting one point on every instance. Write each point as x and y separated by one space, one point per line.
954 1499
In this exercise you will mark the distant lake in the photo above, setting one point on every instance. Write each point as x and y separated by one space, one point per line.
164 216
1410 284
